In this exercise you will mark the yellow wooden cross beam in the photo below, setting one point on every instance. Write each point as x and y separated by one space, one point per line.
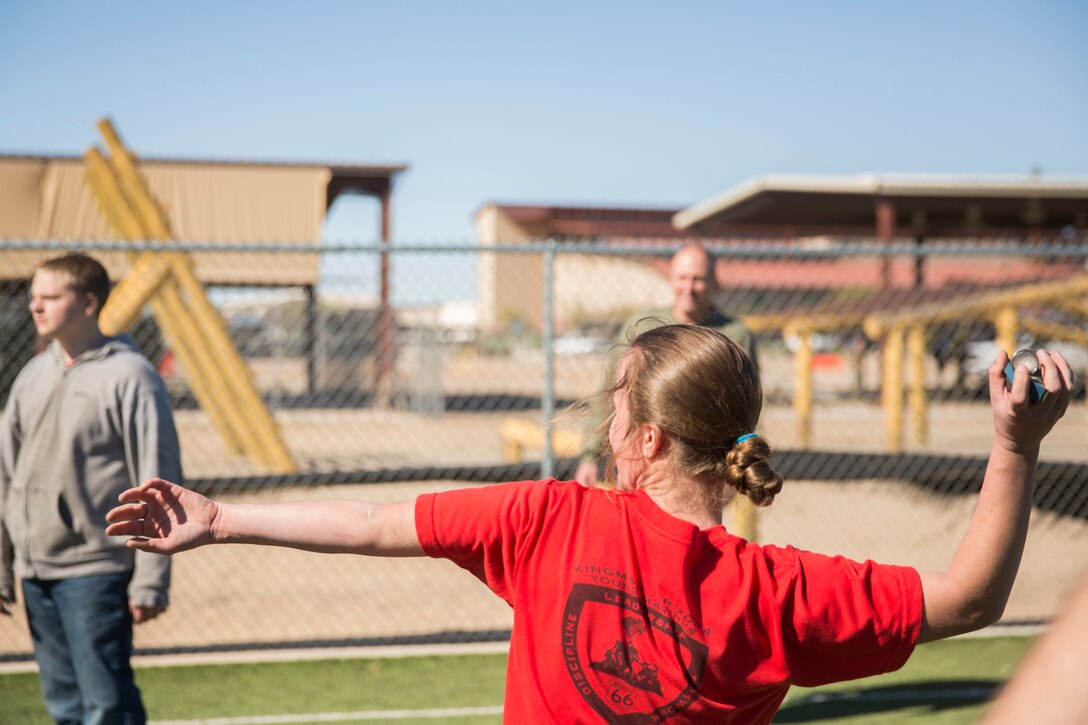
219 377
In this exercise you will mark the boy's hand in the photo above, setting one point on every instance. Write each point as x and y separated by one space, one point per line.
1019 423
144 614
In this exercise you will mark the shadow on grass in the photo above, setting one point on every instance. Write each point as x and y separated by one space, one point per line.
929 695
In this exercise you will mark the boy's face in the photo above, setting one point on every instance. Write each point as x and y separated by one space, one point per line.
56 308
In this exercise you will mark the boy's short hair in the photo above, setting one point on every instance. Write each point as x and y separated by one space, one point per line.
86 275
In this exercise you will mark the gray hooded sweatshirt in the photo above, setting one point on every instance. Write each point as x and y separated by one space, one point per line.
71 440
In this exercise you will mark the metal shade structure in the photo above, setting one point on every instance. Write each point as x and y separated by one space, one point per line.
889 205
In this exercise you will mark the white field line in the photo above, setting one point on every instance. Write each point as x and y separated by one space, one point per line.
294 655
339 716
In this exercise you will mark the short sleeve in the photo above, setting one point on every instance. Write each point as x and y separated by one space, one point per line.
484 530
843 619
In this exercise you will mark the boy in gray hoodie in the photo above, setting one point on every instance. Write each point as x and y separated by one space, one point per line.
86 419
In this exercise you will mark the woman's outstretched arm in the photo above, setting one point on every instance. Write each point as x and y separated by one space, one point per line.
973 591
165 518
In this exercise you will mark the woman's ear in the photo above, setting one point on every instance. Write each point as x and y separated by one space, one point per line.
651 439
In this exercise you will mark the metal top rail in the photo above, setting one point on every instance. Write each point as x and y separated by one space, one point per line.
723 250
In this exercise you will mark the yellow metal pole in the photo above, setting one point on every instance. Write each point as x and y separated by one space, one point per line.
802 397
1005 324
916 351
892 388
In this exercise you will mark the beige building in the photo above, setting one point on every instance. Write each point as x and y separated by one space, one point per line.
807 211
251 203
510 285
255 204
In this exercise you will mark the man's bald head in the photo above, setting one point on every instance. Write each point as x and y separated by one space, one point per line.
691 275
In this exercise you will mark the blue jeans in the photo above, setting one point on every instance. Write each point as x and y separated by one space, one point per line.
82 632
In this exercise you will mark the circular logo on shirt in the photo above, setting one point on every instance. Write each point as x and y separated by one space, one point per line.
631 663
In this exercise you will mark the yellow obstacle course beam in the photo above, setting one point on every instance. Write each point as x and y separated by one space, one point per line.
802 371
517 434
1054 330
220 379
813 323
207 386
904 333
148 276
258 428
1049 292
143 281
916 354
892 389
257 420
1005 327
1078 306
802 326
152 217
1003 309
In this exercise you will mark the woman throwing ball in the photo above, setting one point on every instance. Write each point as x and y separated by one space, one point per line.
635 605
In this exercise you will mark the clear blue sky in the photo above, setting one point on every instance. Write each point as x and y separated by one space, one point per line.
625 103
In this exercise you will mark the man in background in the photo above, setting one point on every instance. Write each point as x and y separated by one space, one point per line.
693 282
86 419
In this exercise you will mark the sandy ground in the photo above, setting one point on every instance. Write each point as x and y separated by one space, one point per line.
243 594
321 439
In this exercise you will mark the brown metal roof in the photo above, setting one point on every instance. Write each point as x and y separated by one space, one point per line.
369 179
929 205
336 167
590 222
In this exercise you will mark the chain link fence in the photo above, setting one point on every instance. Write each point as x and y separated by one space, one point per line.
460 365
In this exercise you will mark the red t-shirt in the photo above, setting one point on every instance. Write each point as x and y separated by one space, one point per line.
625 614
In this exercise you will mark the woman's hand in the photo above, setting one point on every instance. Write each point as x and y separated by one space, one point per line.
163 518
1020 423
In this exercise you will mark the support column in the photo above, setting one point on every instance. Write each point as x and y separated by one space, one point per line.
919 263
885 233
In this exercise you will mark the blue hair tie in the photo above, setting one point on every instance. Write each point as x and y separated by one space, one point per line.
744 437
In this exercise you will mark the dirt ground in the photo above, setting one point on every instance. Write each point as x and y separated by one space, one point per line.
243 594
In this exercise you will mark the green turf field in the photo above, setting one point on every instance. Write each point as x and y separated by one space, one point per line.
945 682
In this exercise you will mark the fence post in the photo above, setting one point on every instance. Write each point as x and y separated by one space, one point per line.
547 398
